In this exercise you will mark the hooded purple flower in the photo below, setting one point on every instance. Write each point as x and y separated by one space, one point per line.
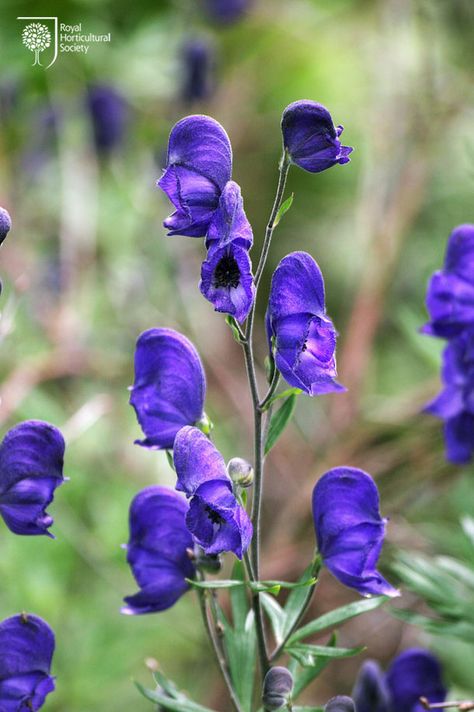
304 337
197 69
169 388
370 692
450 296
31 467
455 404
157 551
310 137
26 652
215 518
198 167
350 530
5 224
108 111
227 11
413 674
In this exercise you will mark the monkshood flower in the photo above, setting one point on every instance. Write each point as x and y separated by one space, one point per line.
302 334
227 11
31 467
310 138
169 387
5 224
350 530
455 404
277 688
450 295
197 69
199 165
158 550
215 518
413 674
108 112
26 651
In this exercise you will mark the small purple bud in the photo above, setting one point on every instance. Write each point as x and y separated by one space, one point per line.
227 11
5 224
198 68
341 703
240 472
277 688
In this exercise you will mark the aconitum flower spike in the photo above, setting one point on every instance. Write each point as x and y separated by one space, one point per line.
5 224
216 520
303 336
341 703
455 404
108 111
350 530
413 674
31 467
370 693
277 688
158 550
450 295
198 167
26 652
197 69
310 138
169 387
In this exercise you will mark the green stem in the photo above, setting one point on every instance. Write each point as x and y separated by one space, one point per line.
279 649
271 390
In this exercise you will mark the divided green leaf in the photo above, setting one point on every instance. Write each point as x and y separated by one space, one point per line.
279 421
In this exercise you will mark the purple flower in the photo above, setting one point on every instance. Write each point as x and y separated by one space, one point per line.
197 72
413 674
108 113
229 224
310 137
350 530
215 518
227 11
227 281
455 403
157 551
31 467
450 295
370 691
304 337
169 388
26 652
198 167
5 224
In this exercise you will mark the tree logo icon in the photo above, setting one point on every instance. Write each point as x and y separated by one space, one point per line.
36 37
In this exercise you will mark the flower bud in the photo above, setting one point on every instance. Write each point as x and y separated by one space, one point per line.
277 688
205 424
240 472
5 224
341 703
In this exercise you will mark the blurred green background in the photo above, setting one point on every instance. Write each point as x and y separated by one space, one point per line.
86 268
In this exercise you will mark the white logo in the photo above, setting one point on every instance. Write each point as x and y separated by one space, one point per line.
41 37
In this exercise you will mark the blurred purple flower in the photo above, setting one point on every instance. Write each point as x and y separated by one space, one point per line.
413 674
157 551
227 11
108 112
198 167
370 692
350 530
304 337
215 518
455 403
26 651
5 224
197 67
450 295
31 467
310 137
169 387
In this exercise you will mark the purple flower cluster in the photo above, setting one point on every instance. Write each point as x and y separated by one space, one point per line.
413 674
450 303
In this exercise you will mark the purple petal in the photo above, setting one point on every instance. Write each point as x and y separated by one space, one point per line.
310 137
31 467
297 288
196 460
370 693
195 198
227 281
450 303
413 674
459 437
229 223
169 388
350 530
460 252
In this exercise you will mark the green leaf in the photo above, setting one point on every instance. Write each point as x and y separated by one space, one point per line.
169 457
283 394
276 615
305 676
450 629
222 583
308 709
339 615
307 655
234 327
182 704
297 597
279 421
284 207
238 597
257 586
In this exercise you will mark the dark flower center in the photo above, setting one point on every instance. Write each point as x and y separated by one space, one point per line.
227 272
213 516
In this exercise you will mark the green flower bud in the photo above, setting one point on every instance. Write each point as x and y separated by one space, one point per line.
205 424
240 472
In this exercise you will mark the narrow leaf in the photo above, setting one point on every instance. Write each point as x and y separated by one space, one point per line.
276 615
283 394
183 704
305 676
232 323
307 655
284 207
297 598
238 597
279 421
